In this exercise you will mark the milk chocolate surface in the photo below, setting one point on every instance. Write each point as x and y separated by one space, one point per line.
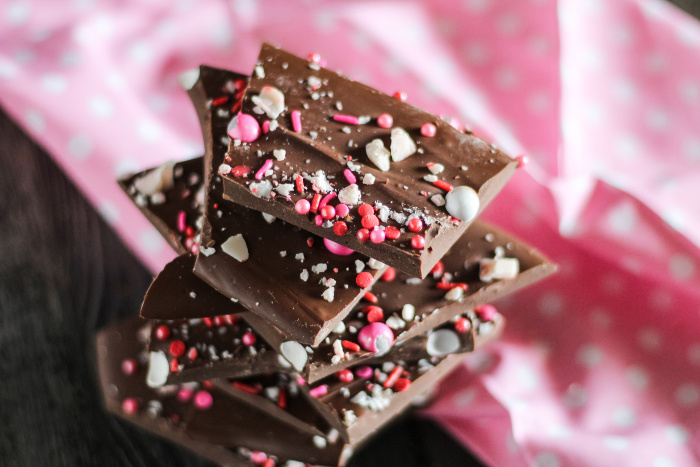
289 272
322 143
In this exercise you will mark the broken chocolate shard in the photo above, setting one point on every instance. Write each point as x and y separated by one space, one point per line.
331 157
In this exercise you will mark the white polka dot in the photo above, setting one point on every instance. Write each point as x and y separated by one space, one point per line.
126 166
663 461
101 107
511 444
221 35
7 69
687 394
539 102
393 66
506 78
655 62
622 34
594 113
637 377
624 91
70 59
677 434
628 147
661 300
657 119
39 35
675 217
140 52
116 81
476 5
151 241
649 339
694 354
550 304
54 83
35 120
464 398
589 355
690 91
109 212
508 24
476 53
681 266
601 318
83 4
691 149
616 443
558 431
527 377
575 396
593 59
622 219
159 103
624 417
80 146
17 13
104 25
539 45
81 34
192 149
480 362
688 35
361 40
149 131
546 459
25 56
166 28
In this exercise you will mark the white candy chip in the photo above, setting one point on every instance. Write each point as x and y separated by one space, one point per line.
157 180
329 294
498 268
408 312
374 264
280 154
438 200
236 247
455 294
269 218
207 251
350 195
285 189
442 342
394 322
462 203
261 189
189 78
368 179
378 154
436 168
158 369
270 100
295 354
402 145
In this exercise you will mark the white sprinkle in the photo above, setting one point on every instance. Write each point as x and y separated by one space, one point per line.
368 179
304 275
374 264
283 253
269 218
193 295
319 268
259 72
408 312
340 328
436 168
394 322
438 200
299 256
280 154
207 251
359 266
224 169
350 195
329 294
455 294
430 178
158 369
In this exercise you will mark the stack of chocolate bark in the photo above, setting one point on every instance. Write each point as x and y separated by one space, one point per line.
331 269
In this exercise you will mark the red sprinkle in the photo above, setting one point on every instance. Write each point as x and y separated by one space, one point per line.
370 297
392 233
192 354
181 221
257 389
345 376
219 101
350 346
402 384
319 391
249 338
310 242
444 285
363 235
340 228
418 242
385 121
428 130
327 199
377 236
349 176
522 161
365 209
374 313
463 325
174 365
315 202
265 167
162 332
177 348
364 279
370 221
282 398
486 312
401 95
271 462
296 121
240 171
352 120
130 406
438 269
443 185
389 275
415 225
342 210
393 377
328 212
208 321
300 183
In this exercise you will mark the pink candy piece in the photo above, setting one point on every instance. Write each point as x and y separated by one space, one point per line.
302 206
428 130
363 372
349 176
377 236
296 121
342 210
346 119
376 337
319 391
336 248
203 400
318 220
261 173
385 121
181 221
184 394
522 161
244 127
326 199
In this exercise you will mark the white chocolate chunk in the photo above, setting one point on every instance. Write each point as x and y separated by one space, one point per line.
329 294
455 294
270 100
295 354
436 168
236 247
498 268
280 154
158 369
157 180
189 78
408 312
261 189
463 203
442 342
368 179
350 195
402 145
207 251
269 218
378 154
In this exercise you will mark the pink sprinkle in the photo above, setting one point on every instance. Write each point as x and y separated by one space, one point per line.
377 236
257 457
318 220
342 210
428 130
346 119
522 161
181 216
203 400
319 391
326 199
301 381
349 176
385 121
130 405
184 394
296 121
266 126
302 206
261 173
363 372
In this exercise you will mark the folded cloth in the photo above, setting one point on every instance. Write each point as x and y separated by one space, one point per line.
597 366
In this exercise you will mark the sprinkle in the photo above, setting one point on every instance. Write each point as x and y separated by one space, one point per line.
428 130
319 391
443 185
315 203
402 384
192 354
181 224
350 177
485 312
363 372
219 101
130 406
177 348
370 297
522 161
363 235
162 332
463 325
203 400
401 95
393 377
342 210
444 285
240 171
392 233
415 225
266 126
370 221
318 220
418 242
385 121
438 200
296 121
340 228
345 376
265 167
299 180
364 279
129 366
368 179
377 236
389 275
249 338
435 168
349 119
374 313
280 154
350 346
326 199
302 206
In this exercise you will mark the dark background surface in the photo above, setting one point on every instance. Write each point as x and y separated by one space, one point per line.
63 275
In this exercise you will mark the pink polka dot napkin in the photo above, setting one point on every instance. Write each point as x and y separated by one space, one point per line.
600 365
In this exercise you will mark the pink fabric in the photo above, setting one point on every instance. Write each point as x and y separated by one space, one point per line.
598 366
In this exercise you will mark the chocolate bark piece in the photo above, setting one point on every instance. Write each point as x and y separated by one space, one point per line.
320 125
222 346
171 197
201 418
430 301
290 278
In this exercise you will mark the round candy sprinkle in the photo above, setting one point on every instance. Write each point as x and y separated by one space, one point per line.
365 209
257 457
174 365
363 235
385 121
130 405
401 95
438 269
370 221
485 312
389 275
302 206
177 348
374 313
340 228
318 220
428 130
376 337
363 372
203 400
418 242
522 161
401 384
244 127
415 225
345 376
184 394
328 212
249 338
377 236
192 354
162 332
463 325
129 366
364 279
392 233
336 248
342 210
